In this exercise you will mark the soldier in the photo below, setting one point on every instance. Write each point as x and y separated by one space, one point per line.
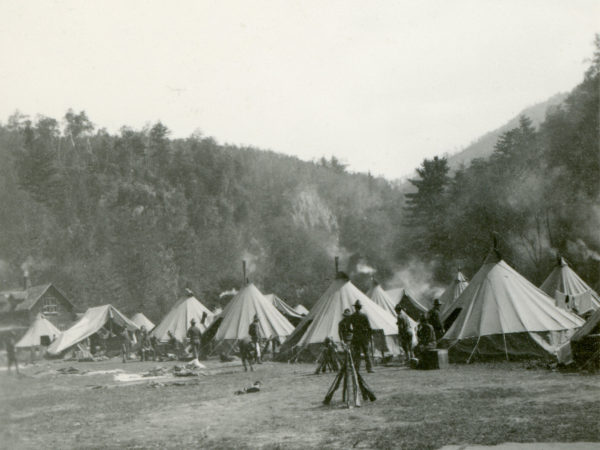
405 333
255 335
125 344
361 336
247 352
435 321
345 326
11 353
425 336
144 344
194 335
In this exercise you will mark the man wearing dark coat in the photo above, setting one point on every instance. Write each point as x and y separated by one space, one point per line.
255 335
425 336
435 321
361 336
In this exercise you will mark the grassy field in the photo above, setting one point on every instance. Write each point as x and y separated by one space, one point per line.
479 404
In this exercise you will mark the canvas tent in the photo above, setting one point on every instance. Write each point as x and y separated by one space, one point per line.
300 309
323 319
449 299
381 298
584 346
505 316
569 290
413 307
178 320
285 309
141 320
41 332
94 320
239 313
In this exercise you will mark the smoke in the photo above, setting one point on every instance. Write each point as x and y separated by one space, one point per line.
364 268
582 250
27 266
31 264
229 292
417 277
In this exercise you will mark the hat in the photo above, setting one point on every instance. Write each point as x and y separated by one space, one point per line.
347 312
357 304
436 302
193 321
255 317
398 307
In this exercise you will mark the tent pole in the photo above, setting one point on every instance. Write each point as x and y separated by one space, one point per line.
505 348
475 348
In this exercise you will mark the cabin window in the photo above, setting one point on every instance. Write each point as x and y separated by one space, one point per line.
49 306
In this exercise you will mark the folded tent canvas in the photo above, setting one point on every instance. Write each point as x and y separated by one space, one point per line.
41 332
239 314
323 319
141 320
178 320
90 323
505 316
285 309
300 309
564 281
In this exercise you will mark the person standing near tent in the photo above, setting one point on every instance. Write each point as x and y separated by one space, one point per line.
435 321
425 336
255 335
361 336
11 353
345 327
194 335
405 333
125 344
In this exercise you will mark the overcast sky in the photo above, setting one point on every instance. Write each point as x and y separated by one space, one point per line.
379 84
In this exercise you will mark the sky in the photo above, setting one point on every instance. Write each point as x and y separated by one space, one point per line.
380 85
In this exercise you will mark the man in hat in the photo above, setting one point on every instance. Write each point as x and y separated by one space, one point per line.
194 335
345 326
405 333
425 336
255 335
361 336
435 321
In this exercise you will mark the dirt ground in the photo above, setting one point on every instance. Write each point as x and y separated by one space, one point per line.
465 404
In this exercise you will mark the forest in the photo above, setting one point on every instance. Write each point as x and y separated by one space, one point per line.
135 217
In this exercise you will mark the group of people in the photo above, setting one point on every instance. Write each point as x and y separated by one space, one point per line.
429 330
146 345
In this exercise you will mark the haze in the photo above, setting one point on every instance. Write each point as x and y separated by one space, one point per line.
380 85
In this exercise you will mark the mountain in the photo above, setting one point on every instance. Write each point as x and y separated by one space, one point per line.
484 146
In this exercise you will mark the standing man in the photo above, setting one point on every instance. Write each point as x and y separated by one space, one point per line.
361 336
255 335
11 353
425 335
345 327
405 333
194 335
125 344
435 321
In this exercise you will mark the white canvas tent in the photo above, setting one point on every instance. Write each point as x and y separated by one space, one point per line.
178 320
141 320
563 282
239 313
92 321
323 319
283 307
41 329
504 315
413 307
300 309
449 298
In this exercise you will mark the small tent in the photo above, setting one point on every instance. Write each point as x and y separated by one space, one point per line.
300 309
505 316
449 298
381 298
179 318
105 317
413 307
142 321
41 332
239 313
285 309
323 319
569 290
